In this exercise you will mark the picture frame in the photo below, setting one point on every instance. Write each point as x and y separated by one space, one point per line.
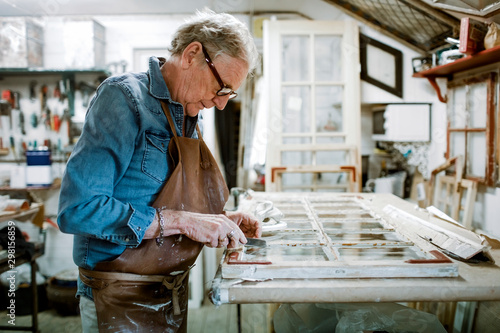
381 65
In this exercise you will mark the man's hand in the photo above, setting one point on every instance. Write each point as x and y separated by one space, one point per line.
209 229
247 223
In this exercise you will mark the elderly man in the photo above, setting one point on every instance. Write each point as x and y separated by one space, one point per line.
142 193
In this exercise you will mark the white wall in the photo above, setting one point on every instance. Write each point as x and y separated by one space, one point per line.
415 90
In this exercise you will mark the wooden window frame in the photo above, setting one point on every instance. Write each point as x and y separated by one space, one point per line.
491 176
397 87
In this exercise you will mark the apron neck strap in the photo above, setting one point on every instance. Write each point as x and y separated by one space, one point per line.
166 110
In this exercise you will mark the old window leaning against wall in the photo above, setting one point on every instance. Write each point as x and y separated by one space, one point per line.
472 109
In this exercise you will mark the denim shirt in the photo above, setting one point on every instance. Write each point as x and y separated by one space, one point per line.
118 167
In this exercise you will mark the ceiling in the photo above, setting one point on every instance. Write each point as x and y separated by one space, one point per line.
420 24
112 7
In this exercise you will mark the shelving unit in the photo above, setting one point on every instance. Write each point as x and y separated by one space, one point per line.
65 74
22 257
479 59
42 71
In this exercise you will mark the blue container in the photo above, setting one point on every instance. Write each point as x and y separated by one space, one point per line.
38 157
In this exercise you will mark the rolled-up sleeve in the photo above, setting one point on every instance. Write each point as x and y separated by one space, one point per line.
88 205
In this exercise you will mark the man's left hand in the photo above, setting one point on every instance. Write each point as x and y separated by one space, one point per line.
247 223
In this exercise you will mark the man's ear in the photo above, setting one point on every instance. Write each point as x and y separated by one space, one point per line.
190 54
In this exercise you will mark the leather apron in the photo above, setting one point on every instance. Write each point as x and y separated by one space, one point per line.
145 289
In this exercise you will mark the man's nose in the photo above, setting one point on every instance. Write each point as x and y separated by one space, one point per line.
220 101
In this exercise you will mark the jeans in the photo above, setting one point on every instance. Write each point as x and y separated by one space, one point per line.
88 315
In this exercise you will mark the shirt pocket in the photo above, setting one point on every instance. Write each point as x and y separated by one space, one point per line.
155 161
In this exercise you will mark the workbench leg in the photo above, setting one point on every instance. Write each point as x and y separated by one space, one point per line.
34 294
238 310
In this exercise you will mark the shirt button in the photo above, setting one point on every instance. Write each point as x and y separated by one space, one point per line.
127 239
138 228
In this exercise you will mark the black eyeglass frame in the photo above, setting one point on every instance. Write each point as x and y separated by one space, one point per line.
224 90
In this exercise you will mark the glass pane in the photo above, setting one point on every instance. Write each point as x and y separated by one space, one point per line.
295 58
296 109
327 58
336 206
296 141
291 206
333 178
291 158
457 109
296 180
396 253
293 238
330 139
346 215
477 105
457 144
331 157
296 216
283 254
363 237
351 225
476 159
329 108
299 225
383 73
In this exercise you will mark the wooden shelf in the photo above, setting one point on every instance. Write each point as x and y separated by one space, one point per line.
55 186
22 215
483 58
44 71
479 59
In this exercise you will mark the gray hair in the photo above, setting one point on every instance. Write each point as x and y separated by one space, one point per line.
218 33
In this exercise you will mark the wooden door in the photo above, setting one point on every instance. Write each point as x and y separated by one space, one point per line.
312 71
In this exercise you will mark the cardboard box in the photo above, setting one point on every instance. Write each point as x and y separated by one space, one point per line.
21 42
471 35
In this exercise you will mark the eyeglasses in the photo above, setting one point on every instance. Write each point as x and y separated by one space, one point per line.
224 90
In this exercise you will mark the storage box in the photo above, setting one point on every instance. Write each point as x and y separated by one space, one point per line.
471 35
21 42
84 44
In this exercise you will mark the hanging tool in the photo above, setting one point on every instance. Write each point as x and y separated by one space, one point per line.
33 90
34 120
6 105
56 121
13 148
43 97
21 122
45 111
17 106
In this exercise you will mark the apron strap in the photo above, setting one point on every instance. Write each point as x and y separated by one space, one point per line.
100 280
166 110
174 287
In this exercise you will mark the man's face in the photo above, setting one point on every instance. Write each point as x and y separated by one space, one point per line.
200 92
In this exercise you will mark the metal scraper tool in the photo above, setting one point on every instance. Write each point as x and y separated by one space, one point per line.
256 242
